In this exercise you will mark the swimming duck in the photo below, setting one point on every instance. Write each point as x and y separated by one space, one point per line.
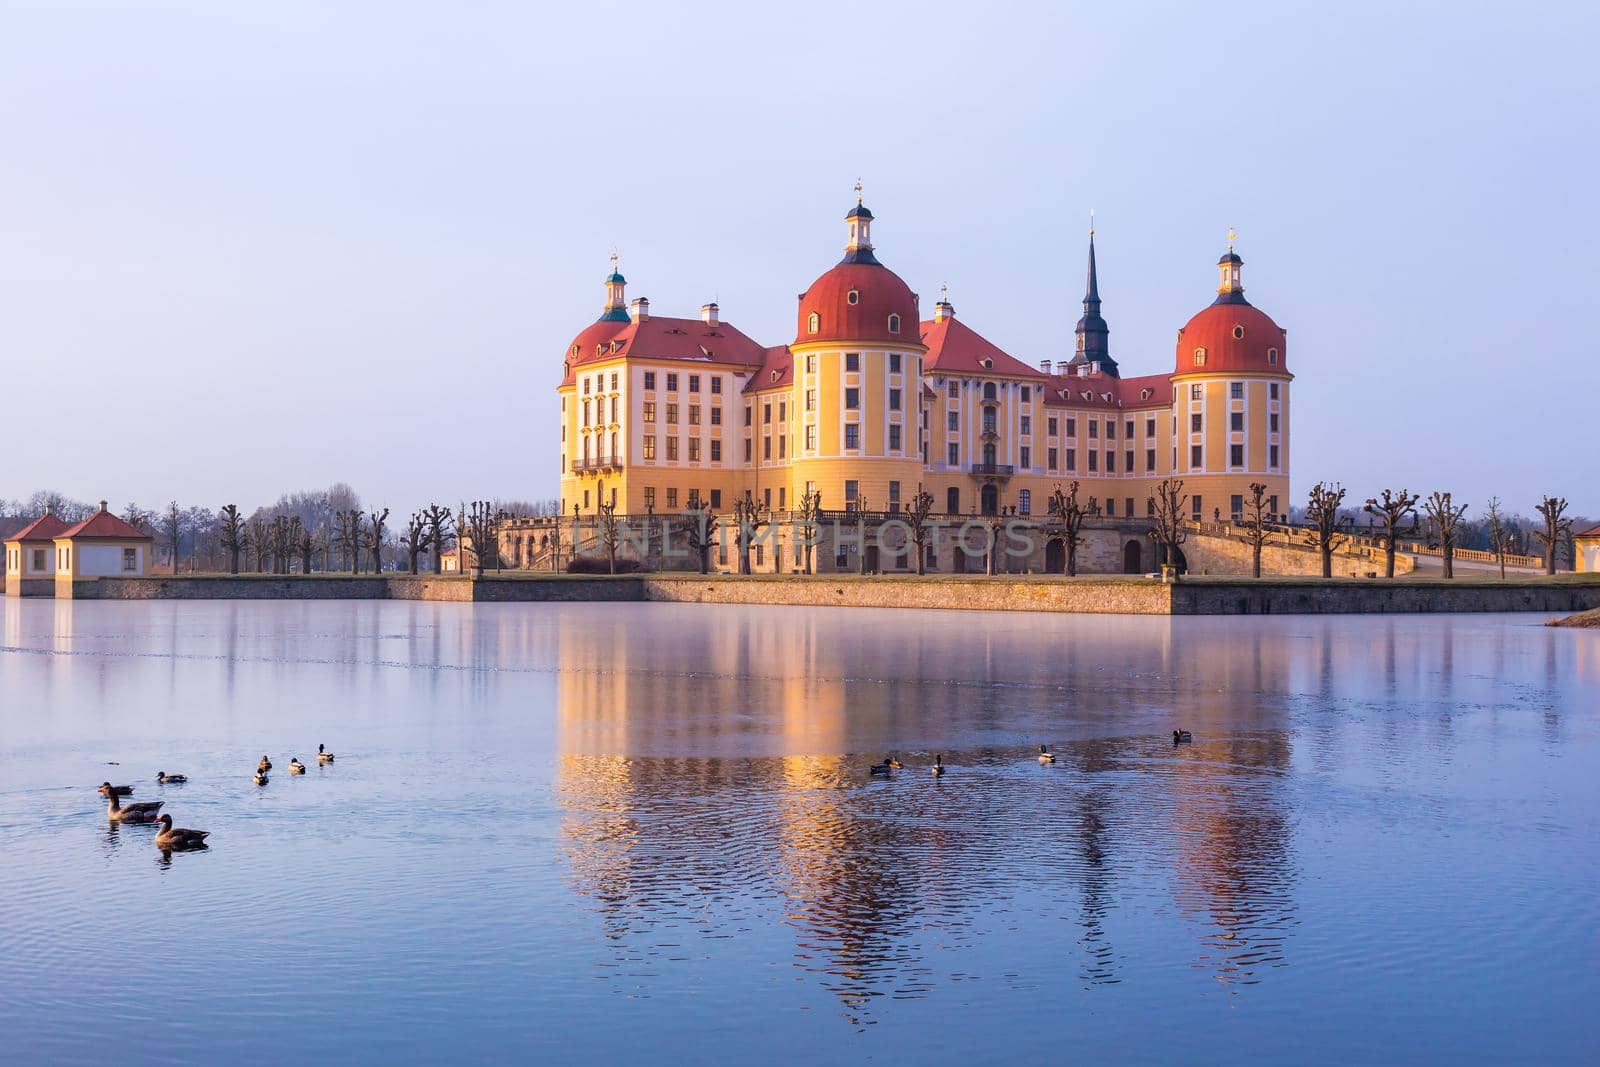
177 839
171 779
260 778
296 767
1045 755
938 766
880 768
143 812
894 764
1181 737
323 755
265 765
107 789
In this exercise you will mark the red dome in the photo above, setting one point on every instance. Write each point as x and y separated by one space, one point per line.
879 294
1237 339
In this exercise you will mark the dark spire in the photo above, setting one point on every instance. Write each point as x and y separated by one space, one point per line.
1093 346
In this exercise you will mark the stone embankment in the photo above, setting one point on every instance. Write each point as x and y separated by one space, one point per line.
1089 595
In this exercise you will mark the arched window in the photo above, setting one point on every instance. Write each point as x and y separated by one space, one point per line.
1272 356
1199 357
1238 333
814 323
853 296
894 323
1024 502
988 390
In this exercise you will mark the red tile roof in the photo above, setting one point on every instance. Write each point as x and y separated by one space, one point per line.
106 526
45 528
1213 329
879 293
1102 390
659 337
1593 531
776 371
956 348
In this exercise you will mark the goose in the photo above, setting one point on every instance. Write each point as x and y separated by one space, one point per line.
323 755
260 778
107 789
265 765
938 765
171 779
1181 737
295 766
1045 755
880 768
177 839
143 812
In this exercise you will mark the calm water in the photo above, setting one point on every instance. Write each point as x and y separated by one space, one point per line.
628 831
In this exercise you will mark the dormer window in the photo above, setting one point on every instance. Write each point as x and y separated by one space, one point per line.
894 323
853 296
1272 356
1199 357
1238 333
1144 394
814 323
988 364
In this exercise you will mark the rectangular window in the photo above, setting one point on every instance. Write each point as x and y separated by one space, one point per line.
716 498
613 409
894 400
1111 429
766 414
672 448
1236 455
649 446
694 383
852 361
586 498
649 411
1236 421
1027 394
766 502
672 498
852 399
1072 427
748 409
1236 390
1025 457
716 416
1197 391
716 451
1027 424
1111 507
783 411
1094 428
716 384
1272 458
811 363
954 390
766 448
852 435
988 420
1194 456
894 438
1025 502
1111 463
1272 504
747 447
672 414
672 383
894 496
1072 459
1196 507
1051 426
694 414
586 386
694 450
955 455
894 363
1236 506
783 494
851 491
955 420
1149 459
1127 462
783 446
1194 423
811 400
586 413
130 559
1094 461
1052 455
1272 422
649 496
649 379
1273 391
811 438
1149 427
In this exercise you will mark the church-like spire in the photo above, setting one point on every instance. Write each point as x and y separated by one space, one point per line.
858 248
1230 287
616 309
1093 347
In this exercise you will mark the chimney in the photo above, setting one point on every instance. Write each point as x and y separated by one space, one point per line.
639 309
708 313
103 505
1044 365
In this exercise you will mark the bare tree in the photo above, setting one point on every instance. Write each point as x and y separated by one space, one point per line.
415 539
260 540
172 531
1069 514
1557 529
1255 530
1166 518
699 527
1497 534
480 527
1444 518
440 532
609 532
1322 512
748 520
810 513
231 526
375 530
917 515
348 527
1392 511
304 543
555 544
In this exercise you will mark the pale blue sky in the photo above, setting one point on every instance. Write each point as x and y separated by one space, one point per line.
252 248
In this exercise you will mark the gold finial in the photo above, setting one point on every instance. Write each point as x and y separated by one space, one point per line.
1232 236
944 292
613 259
858 192
1091 222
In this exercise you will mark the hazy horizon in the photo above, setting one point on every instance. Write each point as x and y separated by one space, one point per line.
249 251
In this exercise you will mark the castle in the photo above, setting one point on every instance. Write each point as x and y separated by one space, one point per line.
871 401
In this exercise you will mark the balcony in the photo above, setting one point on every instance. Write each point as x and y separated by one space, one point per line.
603 463
994 470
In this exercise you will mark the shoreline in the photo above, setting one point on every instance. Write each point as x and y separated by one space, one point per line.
1095 594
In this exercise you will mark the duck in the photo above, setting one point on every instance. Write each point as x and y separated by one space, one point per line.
107 789
1181 737
171 779
142 812
894 764
880 768
1045 755
265 765
260 778
178 839
938 765
323 755
295 766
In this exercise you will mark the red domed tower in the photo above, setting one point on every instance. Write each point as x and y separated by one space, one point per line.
858 379
1230 402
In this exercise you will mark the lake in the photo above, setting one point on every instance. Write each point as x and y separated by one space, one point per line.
570 833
